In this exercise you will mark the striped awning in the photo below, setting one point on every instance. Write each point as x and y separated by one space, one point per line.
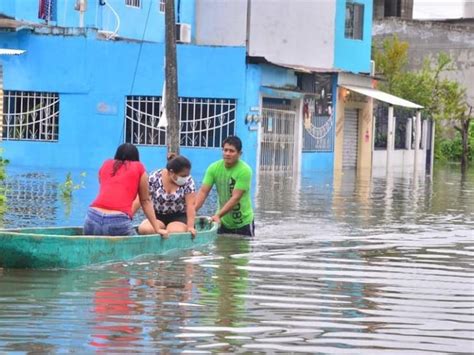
7 51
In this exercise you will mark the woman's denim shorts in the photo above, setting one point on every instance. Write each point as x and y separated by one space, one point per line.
99 223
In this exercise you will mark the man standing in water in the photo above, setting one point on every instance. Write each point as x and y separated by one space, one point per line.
232 178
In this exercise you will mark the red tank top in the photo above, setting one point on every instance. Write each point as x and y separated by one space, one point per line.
117 192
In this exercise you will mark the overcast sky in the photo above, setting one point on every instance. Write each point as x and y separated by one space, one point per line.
424 9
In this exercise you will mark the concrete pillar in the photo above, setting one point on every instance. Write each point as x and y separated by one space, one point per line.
417 139
424 134
433 128
408 132
390 137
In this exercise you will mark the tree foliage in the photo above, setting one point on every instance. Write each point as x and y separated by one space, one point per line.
443 99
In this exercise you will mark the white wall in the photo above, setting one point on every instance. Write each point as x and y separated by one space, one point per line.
401 159
439 9
221 22
302 33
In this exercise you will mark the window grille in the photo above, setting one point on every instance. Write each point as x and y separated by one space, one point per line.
203 122
318 134
132 3
354 25
162 5
381 127
403 116
30 116
318 118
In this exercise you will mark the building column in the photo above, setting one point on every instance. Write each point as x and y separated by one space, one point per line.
390 137
417 139
408 133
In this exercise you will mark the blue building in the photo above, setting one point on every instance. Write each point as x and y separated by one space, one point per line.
81 77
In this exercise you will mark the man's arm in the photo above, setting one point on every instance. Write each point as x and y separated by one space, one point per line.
229 205
202 195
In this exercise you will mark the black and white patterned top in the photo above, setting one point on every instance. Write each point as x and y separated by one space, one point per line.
164 202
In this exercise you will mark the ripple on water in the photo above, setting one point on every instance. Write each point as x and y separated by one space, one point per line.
371 266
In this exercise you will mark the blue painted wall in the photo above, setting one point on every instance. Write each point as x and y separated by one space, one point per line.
351 54
277 77
90 72
146 22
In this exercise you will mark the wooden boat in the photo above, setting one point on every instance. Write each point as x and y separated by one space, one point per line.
67 247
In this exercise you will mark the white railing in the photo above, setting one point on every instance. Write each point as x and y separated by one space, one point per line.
30 116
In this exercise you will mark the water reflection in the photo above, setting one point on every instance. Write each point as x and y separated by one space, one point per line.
343 263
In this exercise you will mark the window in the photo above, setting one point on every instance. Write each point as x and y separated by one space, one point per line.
204 122
354 21
132 3
162 5
318 118
30 116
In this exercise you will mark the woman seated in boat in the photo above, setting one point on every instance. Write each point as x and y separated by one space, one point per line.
121 179
172 191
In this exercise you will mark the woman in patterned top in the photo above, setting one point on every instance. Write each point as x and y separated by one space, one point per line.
172 191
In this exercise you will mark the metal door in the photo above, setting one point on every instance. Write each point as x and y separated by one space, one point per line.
351 141
277 143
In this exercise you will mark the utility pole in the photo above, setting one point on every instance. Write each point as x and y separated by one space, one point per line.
171 77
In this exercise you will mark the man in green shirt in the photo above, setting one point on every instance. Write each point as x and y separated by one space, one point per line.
232 178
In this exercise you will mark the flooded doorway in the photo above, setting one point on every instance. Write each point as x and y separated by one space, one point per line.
278 136
351 141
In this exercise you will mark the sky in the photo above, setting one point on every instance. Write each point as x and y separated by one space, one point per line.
430 9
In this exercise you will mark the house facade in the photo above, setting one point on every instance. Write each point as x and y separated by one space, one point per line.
81 77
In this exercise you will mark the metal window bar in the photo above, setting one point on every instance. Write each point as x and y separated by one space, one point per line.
203 122
401 124
133 3
278 140
319 136
32 116
162 5
381 126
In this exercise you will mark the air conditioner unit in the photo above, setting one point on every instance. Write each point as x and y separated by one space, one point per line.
183 32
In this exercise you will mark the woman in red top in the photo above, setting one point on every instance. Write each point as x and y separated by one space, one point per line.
120 179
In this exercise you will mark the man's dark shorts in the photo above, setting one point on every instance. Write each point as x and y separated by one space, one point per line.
248 230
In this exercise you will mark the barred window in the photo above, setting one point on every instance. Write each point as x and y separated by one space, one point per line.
132 3
204 122
381 126
30 116
354 25
162 5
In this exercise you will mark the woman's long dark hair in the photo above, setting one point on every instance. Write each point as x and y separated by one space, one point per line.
125 152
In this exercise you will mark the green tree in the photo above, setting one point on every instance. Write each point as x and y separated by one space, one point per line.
443 99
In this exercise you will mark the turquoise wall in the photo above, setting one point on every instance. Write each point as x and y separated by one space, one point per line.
90 72
146 22
351 54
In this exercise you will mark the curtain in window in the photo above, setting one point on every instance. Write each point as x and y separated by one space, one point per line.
47 10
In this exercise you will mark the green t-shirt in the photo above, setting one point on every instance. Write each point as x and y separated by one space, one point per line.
226 180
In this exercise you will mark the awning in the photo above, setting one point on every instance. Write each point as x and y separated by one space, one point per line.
6 51
382 96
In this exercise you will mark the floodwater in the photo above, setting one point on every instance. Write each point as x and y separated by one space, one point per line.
339 265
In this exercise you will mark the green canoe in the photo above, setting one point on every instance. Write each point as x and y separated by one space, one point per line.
67 247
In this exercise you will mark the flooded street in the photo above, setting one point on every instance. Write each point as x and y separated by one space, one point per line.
339 265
